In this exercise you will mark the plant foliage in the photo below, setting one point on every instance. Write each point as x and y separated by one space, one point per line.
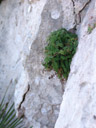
8 116
61 47
91 28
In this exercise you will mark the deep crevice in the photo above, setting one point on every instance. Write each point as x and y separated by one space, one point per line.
74 14
79 14
24 96
82 10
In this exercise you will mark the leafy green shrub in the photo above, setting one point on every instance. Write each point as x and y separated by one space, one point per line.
61 47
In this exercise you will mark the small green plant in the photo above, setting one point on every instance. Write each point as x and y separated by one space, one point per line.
91 27
61 47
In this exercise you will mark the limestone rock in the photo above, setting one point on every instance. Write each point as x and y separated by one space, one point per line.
45 91
80 4
24 27
78 108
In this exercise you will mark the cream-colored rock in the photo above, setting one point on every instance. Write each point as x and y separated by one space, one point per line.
78 108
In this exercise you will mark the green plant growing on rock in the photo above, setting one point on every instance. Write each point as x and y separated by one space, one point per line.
61 48
91 27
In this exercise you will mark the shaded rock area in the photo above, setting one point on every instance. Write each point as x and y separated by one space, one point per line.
24 27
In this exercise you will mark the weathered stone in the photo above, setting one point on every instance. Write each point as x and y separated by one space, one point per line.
46 108
68 18
44 89
55 14
80 8
24 27
78 107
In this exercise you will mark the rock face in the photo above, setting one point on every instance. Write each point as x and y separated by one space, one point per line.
78 108
24 27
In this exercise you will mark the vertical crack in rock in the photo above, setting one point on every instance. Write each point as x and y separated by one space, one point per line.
79 13
82 10
74 13
63 83
24 96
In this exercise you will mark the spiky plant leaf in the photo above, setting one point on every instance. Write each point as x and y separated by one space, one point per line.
8 116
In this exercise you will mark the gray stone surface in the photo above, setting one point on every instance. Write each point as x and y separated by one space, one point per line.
78 108
10 47
24 27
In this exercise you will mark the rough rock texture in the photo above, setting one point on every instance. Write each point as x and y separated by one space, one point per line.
24 27
78 109
80 8
18 28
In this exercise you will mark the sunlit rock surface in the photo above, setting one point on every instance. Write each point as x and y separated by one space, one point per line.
78 108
